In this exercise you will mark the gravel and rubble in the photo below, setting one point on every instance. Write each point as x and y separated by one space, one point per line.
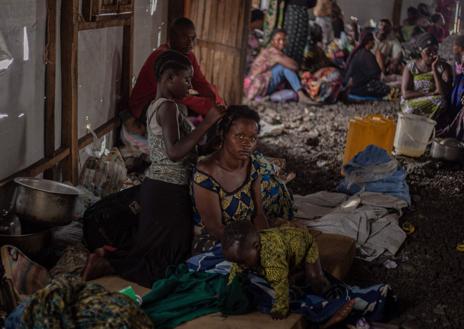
429 278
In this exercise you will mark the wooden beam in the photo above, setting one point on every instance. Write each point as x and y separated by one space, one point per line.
396 16
247 17
40 166
175 9
69 136
187 8
50 68
110 22
219 46
127 59
100 131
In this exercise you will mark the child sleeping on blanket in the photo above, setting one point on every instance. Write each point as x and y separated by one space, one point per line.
275 254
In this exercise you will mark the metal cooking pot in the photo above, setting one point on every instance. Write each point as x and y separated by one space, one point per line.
45 202
449 149
31 244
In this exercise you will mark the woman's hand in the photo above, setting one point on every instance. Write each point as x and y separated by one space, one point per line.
435 64
214 114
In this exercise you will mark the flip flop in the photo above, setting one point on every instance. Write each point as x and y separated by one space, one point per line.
408 228
460 247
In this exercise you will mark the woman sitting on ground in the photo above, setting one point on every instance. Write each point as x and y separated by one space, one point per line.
234 183
456 109
364 73
271 69
165 227
426 81
321 78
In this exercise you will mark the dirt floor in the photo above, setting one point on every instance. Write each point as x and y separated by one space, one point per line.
429 279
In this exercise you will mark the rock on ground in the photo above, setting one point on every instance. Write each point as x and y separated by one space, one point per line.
429 279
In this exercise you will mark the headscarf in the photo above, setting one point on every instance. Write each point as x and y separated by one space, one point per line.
425 40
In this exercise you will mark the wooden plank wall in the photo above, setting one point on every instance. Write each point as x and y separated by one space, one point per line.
221 27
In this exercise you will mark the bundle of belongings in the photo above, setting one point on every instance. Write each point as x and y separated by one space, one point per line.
60 299
372 198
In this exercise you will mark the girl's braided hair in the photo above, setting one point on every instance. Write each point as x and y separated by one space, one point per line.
171 60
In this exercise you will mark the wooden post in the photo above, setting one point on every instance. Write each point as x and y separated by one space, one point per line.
187 8
50 68
69 136
396 17
175 9
243 55
127 58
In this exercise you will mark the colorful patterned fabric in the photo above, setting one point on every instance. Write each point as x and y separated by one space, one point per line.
27 277
427 105
455 129
68 302
239 205
374 302
324 85
277 200
253 47
282 251
162 168
257 81
296 25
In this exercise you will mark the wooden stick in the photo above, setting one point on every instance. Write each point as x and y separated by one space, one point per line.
100 131
69 133
50 68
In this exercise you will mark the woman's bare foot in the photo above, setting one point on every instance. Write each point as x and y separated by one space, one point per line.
340 315
97 266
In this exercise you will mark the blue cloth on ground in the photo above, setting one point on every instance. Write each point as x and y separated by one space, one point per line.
357 98
211 261
373 303
13 321
374 170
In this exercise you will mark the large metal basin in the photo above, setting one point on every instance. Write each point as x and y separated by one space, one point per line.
44 202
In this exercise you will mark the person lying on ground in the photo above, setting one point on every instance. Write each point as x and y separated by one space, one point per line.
181 38
271 69
165 227
426 81
387 49
364 73
455 128
280 255
234 183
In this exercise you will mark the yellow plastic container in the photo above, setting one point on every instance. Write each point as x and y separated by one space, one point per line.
372 129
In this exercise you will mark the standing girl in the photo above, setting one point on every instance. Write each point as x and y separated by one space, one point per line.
165 228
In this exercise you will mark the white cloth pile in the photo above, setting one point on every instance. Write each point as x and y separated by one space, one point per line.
370 218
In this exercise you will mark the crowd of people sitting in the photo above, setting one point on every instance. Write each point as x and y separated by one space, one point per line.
207 180
324 60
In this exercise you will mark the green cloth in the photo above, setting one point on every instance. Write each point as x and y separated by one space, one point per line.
184 296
